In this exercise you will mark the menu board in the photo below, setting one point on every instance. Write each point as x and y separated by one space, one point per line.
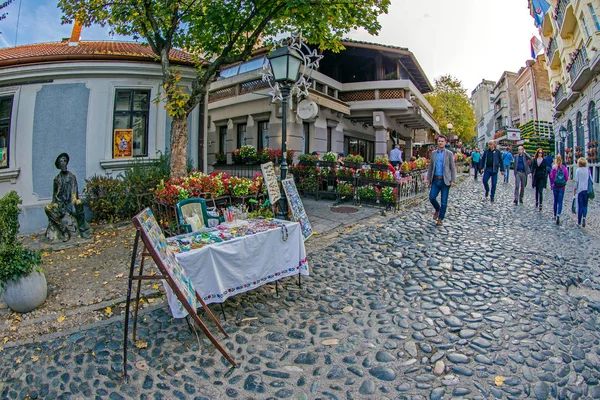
295 203
165 260
268 171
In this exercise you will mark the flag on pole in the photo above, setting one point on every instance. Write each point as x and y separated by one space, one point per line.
540 7
536 46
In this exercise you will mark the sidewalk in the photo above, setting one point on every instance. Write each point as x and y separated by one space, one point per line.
87 283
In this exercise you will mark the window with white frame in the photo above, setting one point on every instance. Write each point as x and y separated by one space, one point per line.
131 110
528 89
5 114
594 16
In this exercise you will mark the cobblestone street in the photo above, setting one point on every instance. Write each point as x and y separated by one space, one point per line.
499 302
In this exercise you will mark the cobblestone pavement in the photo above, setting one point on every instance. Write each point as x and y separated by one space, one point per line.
499 302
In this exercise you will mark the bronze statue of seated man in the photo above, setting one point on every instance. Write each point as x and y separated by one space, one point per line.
65 213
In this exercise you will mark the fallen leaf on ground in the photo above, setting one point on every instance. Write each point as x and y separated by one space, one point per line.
96 275
142 365
499 380
35 358
141 344
155 287
330 342
108 310
61 318
119 276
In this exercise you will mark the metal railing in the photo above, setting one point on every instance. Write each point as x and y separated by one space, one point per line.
552 46
560 94
559 15
580 62
239 170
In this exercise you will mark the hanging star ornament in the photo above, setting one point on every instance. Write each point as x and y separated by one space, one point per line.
310 62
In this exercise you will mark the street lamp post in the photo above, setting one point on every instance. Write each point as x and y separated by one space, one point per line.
285 65
563 135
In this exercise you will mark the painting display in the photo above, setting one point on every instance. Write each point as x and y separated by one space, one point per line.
166 263
123 143
295 204
271 183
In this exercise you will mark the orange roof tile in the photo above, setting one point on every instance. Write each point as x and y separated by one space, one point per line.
85 50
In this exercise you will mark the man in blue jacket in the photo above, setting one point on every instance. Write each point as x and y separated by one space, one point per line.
490 163
507 158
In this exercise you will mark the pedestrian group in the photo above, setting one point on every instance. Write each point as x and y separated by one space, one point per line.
441 175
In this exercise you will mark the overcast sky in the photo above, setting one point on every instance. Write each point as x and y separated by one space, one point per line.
470 39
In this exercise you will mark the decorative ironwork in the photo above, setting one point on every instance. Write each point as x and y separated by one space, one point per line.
221 94
319 87
252 86
361 95
386 94
310 62
580 62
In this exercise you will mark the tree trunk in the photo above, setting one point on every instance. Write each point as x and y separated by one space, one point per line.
179 141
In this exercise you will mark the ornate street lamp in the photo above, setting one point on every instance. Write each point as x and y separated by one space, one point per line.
563 135
285 62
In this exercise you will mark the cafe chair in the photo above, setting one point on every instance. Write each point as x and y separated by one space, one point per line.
193 214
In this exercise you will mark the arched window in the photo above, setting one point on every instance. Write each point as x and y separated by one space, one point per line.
593 127
570 134
580 132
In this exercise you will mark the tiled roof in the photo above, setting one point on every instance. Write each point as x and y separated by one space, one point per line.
389 46
62 51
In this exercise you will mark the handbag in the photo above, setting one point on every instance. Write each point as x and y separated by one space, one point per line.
591 194
574 205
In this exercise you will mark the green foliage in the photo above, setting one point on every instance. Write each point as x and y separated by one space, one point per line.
2 6
356 158
451 105
223 32
330 156
9 218
15 260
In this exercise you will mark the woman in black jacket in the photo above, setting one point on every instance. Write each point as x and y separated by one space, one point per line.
539 176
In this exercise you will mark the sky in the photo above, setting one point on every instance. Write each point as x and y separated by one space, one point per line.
469 39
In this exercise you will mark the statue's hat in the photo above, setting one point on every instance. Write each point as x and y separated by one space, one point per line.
65 155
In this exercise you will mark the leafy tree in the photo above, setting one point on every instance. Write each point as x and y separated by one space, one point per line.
221 31
451 105
2 6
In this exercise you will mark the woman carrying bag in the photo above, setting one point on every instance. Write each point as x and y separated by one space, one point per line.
582 178
558 180
539 176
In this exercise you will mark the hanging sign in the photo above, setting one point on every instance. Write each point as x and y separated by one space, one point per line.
513 134
271 183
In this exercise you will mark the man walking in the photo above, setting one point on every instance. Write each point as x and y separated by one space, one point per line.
522 171
396 156
507 158
490 163
441 174
475 157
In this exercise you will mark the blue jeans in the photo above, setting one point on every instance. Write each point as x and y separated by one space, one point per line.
582 204
506 172
559 195
487 174
437 186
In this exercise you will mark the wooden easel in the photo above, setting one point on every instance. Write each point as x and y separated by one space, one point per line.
149 251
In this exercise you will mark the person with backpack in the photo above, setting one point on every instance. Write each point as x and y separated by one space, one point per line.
559 175
507 159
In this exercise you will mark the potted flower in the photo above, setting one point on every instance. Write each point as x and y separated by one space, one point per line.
308 159
389 195
368 192
354 161
220 158
248 154
22 281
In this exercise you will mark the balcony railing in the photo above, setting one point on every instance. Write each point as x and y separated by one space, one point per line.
559 15
580 62
560 94
552 45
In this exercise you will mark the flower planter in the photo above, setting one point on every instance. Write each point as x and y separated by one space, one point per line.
26 293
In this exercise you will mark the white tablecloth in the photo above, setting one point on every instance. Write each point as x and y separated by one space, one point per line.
222 270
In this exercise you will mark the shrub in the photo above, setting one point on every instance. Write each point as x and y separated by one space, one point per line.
330 156
367 192
389 194
308 159
357 158
15 260
345 188
105 198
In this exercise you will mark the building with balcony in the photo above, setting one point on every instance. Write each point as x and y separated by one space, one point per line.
534 95
482 101
506 106
571 32
369 97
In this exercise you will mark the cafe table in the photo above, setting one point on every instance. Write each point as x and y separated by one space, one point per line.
225 261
